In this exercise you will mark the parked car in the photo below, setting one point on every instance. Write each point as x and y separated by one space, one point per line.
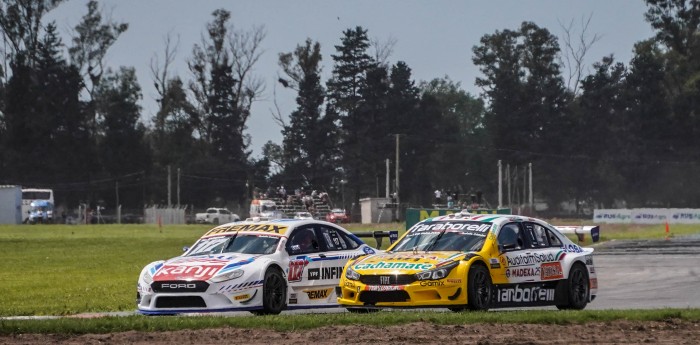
259 266
337 215
476 262
303 215
215 215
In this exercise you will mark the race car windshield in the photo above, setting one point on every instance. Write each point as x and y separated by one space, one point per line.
241 243
444 236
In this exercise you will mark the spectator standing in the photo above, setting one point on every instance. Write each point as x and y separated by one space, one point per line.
438 197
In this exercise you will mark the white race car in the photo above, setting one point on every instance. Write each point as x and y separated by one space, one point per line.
263 267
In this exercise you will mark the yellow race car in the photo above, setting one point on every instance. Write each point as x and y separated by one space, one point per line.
466 261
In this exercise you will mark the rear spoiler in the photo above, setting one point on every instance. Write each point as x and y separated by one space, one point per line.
581 232
379 235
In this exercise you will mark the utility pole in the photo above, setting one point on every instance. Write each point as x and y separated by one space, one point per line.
398 195
500 184
170 199
387 179
178 187
532 198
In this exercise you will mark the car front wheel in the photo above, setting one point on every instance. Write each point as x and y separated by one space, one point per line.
478 288
274 293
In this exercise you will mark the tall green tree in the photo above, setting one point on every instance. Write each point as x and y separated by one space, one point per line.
677 25
310 139
527 114
22 28
122 147
224 90
92 38
603 115
463 144
349 78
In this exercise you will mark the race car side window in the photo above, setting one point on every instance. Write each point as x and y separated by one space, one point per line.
554 241
537 235
510 237
333 239
303 241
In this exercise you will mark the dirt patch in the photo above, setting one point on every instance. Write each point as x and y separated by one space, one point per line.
615 332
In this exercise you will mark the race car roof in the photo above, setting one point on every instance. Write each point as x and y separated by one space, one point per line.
277 226
486 218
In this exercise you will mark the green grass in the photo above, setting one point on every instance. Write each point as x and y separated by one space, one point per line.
288 323
61 270
65 270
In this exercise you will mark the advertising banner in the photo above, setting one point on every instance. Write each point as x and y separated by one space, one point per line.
647 216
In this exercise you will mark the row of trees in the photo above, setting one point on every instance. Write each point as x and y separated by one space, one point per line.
616 132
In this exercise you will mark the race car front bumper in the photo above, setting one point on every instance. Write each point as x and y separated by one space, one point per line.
426 293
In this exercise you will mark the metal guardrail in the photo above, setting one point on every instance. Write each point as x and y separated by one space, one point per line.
393 236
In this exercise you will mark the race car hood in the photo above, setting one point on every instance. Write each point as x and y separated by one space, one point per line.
192 268
403 262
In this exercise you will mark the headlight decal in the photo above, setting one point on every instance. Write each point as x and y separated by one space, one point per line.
147 278
437 273
227 276
351 274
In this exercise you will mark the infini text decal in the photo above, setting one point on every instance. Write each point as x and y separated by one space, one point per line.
325 273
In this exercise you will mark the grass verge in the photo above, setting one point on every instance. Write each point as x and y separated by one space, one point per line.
309 321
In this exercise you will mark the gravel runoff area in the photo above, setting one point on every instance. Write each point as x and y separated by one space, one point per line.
671 331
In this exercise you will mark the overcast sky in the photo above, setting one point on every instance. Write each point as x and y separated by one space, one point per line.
434 38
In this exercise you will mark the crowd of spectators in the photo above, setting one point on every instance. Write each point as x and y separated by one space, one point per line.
299 196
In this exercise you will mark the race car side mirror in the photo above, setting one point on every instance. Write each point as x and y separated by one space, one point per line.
506 247
185 248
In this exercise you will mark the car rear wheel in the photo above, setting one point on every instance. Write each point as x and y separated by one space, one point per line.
576 288
274 293
478 288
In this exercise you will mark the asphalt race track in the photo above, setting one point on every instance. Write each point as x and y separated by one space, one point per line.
648 274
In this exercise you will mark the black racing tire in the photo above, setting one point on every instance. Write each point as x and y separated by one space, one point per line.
274 293
362 310
216 221
479 288
576 288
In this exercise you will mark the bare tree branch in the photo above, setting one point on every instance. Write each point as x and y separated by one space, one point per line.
245 52
160 74
382 50
277 113
575 52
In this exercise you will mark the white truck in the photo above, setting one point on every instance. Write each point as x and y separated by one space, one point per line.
215 215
